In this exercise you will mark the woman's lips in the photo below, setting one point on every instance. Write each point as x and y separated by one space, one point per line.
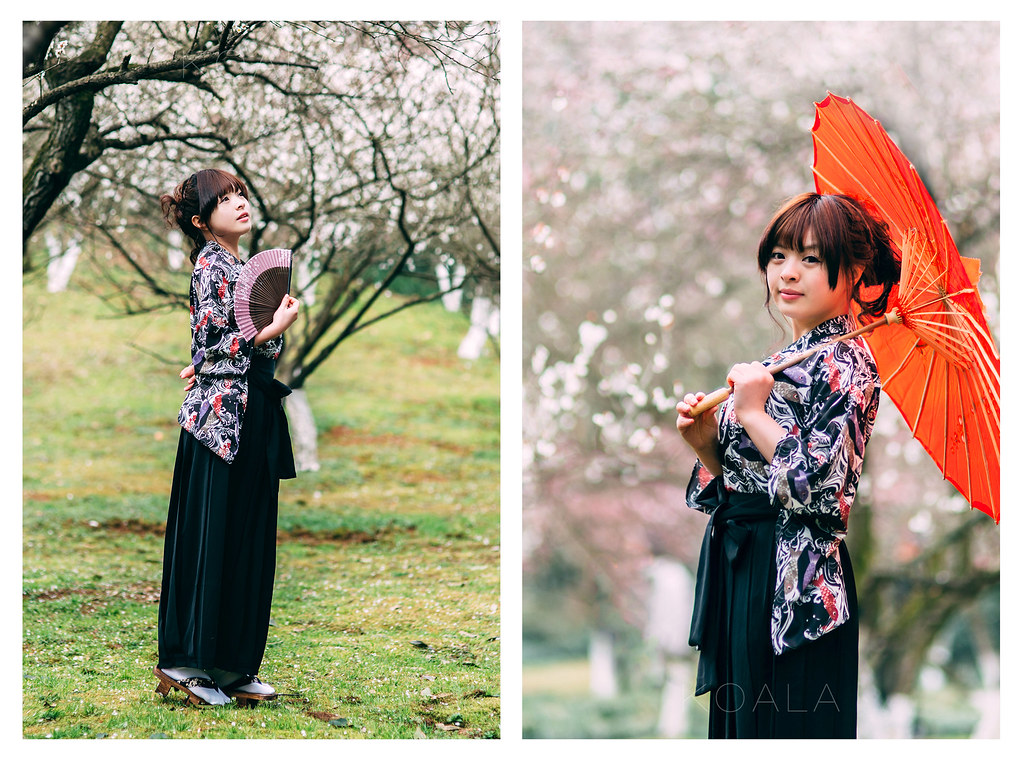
789 295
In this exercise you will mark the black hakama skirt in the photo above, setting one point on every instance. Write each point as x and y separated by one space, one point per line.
806 692
221 541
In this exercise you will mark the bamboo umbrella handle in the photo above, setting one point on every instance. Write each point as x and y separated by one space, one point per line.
717 397
712 399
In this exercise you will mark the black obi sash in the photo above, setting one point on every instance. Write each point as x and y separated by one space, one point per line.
279 443
727 538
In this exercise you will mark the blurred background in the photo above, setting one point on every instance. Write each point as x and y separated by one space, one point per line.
653 156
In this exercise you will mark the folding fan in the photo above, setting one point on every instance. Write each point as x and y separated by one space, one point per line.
264 280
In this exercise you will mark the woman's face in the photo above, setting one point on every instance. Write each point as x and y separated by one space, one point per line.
230 217
798 283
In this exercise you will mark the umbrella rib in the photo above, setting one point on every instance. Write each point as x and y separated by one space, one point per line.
945 333
920 288
900 367
940 341
917 267
951 350
988 439
967 449
927 382
914 287
993 498
984 391
988 373
979 333
984 349
940 330
941 313
945 426
992 413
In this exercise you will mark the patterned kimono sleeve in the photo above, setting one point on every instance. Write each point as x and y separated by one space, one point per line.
220 349
702 492
271 348
816 468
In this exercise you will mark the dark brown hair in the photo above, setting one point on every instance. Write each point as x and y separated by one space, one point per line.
848 236
197 196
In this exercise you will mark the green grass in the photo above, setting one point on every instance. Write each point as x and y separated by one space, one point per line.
557 704
394 540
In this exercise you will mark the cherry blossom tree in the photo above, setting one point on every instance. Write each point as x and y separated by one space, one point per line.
370 150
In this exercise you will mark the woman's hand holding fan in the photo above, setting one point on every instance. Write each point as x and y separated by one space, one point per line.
261 292
286 313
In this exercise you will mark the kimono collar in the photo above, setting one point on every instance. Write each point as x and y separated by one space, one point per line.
213 246
835 326
813 338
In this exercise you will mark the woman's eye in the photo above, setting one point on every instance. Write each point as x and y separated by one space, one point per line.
812 260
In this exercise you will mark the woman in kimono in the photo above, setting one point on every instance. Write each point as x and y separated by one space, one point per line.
775 613
233 449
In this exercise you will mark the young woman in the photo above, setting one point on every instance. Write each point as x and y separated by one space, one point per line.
775 616
219 551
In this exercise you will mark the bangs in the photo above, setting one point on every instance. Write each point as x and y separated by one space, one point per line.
791 227
211 185
810 212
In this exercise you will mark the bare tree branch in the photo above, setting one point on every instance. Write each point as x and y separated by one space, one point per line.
36 38
185 69
355 159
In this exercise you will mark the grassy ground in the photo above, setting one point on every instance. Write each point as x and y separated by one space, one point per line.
558 704
385 619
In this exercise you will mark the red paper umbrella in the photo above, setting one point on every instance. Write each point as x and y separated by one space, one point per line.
934 353
939 364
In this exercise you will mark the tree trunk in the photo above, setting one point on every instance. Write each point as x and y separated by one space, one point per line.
61 156
669 606
445 281
603 681
676 696
986 699
891 719
176 250
302 428
55 164
304 284
483 322
61 264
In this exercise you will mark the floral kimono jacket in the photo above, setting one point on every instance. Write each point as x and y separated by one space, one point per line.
827 403
215 405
